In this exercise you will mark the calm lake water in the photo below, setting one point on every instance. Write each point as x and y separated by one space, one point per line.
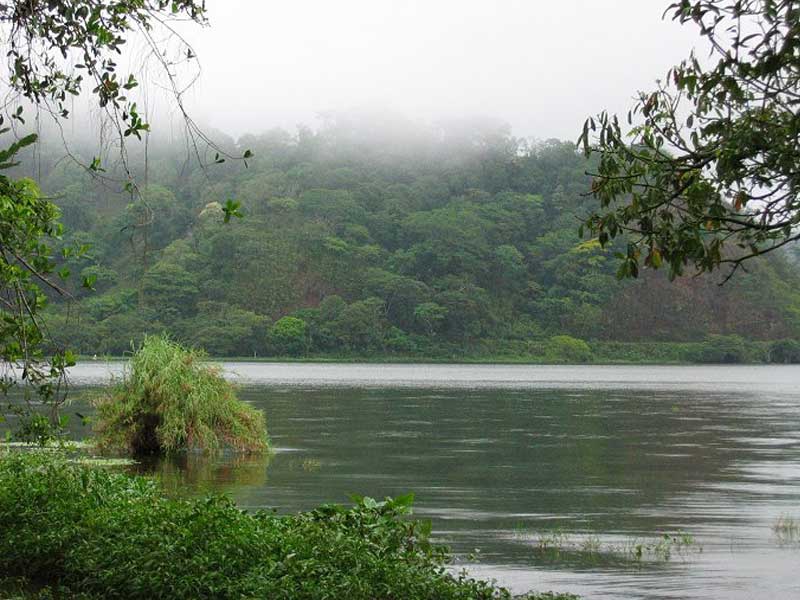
552 476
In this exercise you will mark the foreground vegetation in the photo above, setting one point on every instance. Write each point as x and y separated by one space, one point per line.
169 400
104 535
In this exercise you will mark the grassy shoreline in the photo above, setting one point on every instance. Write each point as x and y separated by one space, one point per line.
411 360
570 352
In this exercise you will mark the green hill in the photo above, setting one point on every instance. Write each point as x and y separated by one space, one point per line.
369 239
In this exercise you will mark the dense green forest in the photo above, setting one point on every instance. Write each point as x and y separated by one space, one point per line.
379 237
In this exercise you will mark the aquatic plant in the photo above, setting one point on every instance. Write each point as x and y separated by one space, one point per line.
786 529
591 545
558 546
110 535
169 399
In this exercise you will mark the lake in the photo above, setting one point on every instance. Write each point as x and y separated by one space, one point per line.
542 477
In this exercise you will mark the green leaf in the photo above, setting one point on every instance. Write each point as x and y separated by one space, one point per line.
231 209
655 258
12 150
88 282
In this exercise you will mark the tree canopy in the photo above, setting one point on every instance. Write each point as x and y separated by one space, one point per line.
371 246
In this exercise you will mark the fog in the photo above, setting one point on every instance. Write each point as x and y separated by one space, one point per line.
541 67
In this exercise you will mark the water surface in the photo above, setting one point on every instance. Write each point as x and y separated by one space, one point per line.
508 459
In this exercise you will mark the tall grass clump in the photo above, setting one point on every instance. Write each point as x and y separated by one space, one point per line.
169 400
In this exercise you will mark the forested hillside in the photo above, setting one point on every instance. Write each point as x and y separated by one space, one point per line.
376 239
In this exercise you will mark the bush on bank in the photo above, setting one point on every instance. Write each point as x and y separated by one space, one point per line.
168 400
785 352
109 535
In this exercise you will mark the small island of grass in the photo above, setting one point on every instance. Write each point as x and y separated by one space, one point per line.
170 400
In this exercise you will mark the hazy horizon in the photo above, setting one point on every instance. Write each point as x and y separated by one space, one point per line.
542 69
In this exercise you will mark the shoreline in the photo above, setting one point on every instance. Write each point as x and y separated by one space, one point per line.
559 350
388 360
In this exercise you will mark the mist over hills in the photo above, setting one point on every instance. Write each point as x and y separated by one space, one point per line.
373 236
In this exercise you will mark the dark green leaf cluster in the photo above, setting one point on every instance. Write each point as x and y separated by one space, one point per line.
107 535
28 228
708 171
54 48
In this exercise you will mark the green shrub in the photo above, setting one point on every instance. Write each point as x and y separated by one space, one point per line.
785 352
117 536
564 348
645 352
399 341
168 399
727 349
289 336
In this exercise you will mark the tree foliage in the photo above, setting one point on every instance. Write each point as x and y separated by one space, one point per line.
379 247
58 49
28 225
55 51
289 335
707 173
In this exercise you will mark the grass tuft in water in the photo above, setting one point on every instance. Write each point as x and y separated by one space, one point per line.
786 529
560 547
169 399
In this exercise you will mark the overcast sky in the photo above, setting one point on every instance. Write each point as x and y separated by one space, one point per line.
542 66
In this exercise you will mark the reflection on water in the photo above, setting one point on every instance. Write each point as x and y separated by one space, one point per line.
611 455
196 473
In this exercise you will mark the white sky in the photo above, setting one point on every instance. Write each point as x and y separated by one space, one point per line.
542 66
